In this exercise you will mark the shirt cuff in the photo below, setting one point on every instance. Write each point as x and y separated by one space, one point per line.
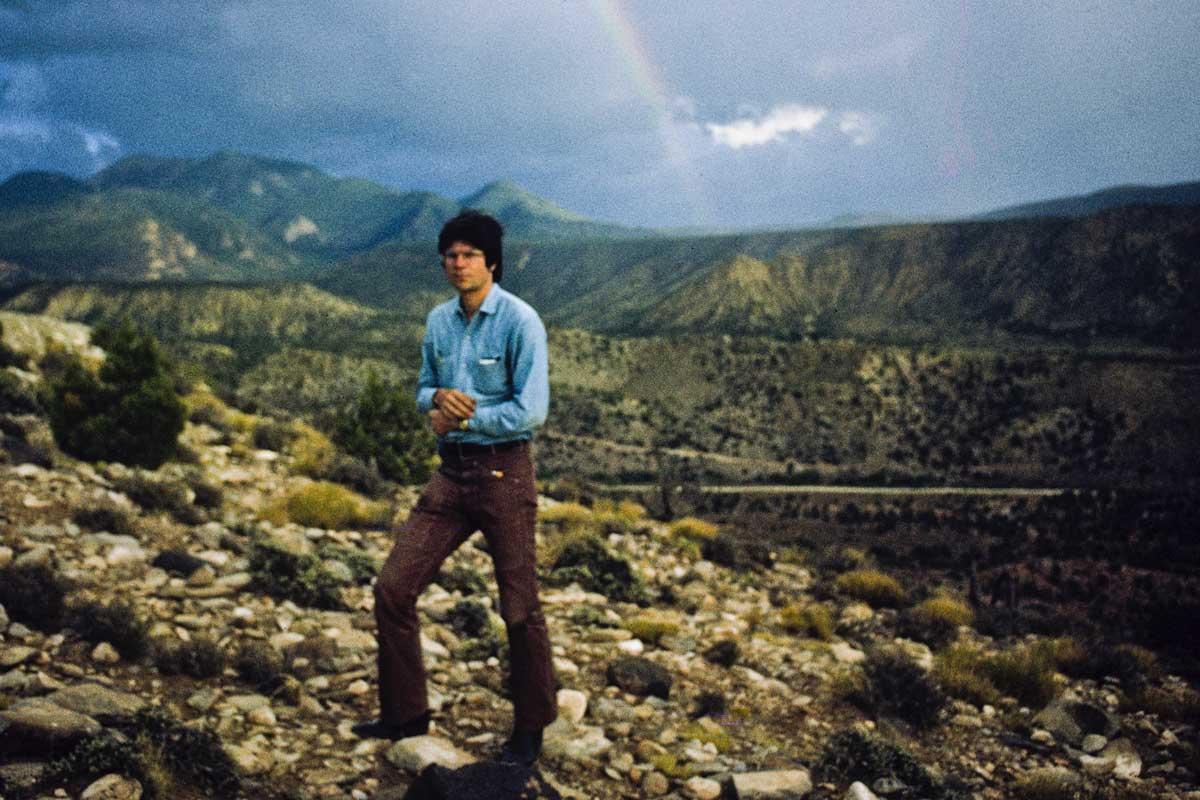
425 398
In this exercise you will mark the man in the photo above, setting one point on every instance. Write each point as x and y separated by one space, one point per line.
484 384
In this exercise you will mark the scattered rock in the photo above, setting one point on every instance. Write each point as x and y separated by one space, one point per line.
640 676
418 752
105 653
113 787
94 700
37 727
702 788
772 785
858 791
572 705
1070 720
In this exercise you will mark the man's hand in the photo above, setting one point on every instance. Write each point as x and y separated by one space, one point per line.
441 422
455 403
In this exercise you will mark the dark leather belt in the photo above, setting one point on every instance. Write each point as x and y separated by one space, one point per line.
457 451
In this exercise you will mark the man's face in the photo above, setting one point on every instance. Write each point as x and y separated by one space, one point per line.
466 268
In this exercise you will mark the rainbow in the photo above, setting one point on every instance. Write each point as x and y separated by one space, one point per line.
647 80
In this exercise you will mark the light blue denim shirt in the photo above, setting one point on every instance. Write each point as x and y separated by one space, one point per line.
499 358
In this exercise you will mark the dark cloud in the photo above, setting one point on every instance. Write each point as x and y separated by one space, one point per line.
953 106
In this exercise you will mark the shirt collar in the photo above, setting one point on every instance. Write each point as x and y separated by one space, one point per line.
490 302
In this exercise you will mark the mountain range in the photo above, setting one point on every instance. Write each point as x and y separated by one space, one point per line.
1118 263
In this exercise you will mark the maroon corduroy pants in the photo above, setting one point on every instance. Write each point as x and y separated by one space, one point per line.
494 493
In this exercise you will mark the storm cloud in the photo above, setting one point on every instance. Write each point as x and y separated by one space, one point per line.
648 113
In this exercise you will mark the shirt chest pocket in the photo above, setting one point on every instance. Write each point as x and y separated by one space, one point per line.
491 374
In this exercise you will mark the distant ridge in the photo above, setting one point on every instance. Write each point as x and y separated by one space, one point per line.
233 216
1176 194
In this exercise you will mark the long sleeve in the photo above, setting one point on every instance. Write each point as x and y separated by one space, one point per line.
530 386
427 380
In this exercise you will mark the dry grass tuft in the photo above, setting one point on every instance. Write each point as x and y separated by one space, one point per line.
873 587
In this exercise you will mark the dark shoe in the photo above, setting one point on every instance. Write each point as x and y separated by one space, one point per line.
378 729
522 749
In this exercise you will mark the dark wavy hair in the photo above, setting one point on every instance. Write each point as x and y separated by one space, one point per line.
478 230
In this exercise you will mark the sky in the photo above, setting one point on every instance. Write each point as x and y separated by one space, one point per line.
643 112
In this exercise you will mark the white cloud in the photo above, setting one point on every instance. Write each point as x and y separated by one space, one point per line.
858 126
98 143
24 130
779 121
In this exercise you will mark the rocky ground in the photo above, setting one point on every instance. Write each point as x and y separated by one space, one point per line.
698 691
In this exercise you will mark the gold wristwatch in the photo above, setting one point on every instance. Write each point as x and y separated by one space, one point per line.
462 425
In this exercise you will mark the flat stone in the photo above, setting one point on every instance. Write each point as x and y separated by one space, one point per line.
783 784
575 742
37 726
1093 743
97 701
17 654
247 702
113 787
203 699
418 752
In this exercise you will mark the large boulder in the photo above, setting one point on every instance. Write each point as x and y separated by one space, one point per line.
1071 720
100 702
640 676
37 727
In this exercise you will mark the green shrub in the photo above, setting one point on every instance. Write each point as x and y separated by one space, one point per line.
385 426
469 618
105 517
853 756
301 578
960 671
460 578
814 620
1024 672
15 396
272 435
724 653
163 754
34 596
872 587
363 566
154 494
200 658
895 685
586 559
260 665
129 412
116 623
935 621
